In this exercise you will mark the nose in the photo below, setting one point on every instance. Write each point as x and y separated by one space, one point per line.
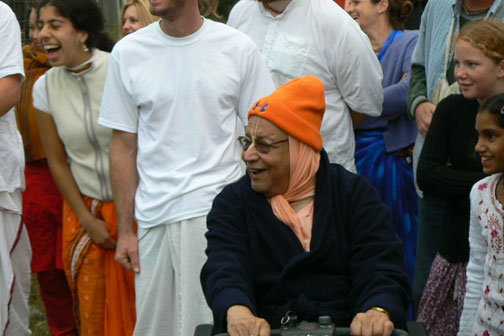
43 33
36 35
126 26
349 7
459 71
250 154
480 146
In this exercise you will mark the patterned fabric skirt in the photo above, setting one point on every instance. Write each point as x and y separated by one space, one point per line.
443 297
103 291
392 176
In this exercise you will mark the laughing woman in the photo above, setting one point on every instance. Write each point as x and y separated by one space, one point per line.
68 99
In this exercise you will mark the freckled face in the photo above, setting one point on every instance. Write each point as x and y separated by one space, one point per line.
269 173
479 76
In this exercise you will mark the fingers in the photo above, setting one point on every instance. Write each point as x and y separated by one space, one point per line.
123 260
356 326
109 243
241 322
371 323
127 253
261 328
134 260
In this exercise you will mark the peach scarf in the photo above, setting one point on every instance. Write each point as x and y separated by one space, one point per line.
304 164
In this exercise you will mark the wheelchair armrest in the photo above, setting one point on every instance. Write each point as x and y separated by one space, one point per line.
416 329
203 330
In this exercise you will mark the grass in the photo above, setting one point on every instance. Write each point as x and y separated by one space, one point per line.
38 321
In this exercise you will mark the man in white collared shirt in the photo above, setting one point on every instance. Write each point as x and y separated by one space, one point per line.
318 38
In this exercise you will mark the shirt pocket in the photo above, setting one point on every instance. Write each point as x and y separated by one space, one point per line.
288 55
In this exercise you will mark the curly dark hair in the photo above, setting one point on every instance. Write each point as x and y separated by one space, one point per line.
85 15
398 12
495 105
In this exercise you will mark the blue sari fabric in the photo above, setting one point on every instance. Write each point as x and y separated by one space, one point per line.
392 176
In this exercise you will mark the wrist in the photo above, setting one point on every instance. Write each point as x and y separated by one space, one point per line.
414 105
381 310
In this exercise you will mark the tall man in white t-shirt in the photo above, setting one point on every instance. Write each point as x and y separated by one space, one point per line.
316 37
175 93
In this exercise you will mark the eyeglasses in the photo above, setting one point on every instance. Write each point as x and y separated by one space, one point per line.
261 146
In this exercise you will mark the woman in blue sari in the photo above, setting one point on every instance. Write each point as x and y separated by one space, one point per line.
384 144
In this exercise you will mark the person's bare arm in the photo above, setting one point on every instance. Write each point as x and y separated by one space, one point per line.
124 179
10 92
57 161
357 118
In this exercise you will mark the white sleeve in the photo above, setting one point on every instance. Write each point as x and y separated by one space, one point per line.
357 70
11 54
118 109
475 267
256 83
40 96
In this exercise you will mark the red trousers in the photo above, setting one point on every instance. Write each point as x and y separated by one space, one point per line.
57 300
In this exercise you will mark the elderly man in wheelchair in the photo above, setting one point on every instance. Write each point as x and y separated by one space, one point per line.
298 234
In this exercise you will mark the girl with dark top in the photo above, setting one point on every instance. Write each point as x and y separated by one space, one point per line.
448 168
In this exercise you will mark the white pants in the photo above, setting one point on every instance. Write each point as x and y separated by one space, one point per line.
15 259
169 298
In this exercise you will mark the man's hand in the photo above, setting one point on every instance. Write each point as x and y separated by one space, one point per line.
241 322
127 251
371 323
97 230
423 116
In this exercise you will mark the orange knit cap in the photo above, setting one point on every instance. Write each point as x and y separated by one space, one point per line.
297 107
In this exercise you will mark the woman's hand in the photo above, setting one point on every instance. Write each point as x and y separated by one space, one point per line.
371 323
241 322
97 229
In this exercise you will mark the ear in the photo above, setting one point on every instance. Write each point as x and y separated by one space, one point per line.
500 73
383 6
83 36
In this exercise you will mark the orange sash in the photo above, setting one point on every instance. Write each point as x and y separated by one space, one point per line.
35 65
103 291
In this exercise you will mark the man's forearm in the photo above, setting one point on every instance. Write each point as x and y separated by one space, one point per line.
10 93
124 177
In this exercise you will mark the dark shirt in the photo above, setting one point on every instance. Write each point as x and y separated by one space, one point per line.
448 168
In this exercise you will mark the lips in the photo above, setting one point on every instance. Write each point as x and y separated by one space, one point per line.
464 86
255 172
485 160
52 50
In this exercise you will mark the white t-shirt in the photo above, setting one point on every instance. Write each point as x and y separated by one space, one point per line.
318 38
184 97
11 144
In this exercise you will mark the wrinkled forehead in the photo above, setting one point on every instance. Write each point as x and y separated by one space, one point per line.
262 128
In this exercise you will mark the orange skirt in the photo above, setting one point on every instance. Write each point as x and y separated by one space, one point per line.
103 291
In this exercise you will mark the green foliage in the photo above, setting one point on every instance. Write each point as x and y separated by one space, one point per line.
38 321
224 9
